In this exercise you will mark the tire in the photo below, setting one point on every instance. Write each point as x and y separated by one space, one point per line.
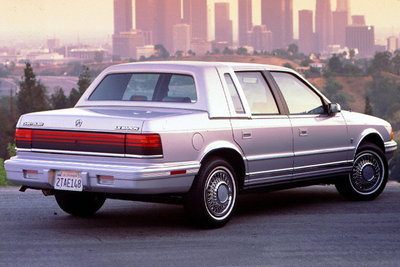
368 177
211 200
82 204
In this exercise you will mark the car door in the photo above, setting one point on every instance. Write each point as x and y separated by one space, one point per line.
320 140
259 127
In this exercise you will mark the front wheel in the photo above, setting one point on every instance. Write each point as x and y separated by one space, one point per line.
368 177
80 203
212 198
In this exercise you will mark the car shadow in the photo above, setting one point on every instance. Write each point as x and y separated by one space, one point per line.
117 214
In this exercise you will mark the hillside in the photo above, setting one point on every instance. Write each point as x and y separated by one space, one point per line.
356 87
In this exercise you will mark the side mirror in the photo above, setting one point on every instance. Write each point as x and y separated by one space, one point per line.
333 109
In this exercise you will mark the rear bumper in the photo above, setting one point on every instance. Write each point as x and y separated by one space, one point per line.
127 178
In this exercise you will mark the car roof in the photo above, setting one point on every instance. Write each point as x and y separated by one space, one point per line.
193 64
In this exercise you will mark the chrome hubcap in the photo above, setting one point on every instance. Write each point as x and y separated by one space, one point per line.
368 172
220 193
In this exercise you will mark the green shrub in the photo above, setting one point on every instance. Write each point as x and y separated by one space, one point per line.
3 179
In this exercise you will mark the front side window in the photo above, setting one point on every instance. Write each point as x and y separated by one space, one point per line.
299 97
160 87
258 93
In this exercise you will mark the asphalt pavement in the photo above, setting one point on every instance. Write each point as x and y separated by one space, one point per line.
312 226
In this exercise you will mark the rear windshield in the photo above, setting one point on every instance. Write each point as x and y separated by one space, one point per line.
160 87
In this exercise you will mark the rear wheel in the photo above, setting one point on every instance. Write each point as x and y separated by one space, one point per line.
80 203
369 175
211 200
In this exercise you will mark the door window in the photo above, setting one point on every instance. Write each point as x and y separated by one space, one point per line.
258 93
300 99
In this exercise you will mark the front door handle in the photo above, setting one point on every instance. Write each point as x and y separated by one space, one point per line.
246 135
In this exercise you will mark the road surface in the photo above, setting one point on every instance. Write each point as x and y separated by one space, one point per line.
310 226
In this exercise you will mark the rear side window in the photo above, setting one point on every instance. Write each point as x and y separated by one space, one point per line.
258 93
237 103
159 87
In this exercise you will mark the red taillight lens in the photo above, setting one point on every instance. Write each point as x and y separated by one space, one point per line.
143 144
23 138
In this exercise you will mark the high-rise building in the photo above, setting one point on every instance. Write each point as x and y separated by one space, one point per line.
181 37
306 33
361 38
245 20
277 15
261 38
156 18
223 24
344 5
340 22
288 29
358 20
323 24
125 43
195 14
392 44
122 15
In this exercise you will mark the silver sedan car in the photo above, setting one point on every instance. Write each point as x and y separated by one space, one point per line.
198 133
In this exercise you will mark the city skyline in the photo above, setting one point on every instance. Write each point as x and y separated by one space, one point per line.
79 21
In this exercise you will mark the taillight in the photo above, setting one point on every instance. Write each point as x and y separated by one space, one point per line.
143 144
23 138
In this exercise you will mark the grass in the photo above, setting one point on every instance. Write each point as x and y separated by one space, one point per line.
3 179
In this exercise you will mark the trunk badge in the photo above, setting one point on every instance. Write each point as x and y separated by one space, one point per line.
78 123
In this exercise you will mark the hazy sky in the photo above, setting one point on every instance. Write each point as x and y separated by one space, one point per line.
92 20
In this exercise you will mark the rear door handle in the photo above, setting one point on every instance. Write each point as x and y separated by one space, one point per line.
303 132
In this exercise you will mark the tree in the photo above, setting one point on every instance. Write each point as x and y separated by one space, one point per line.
73 97
58 100
32 93
380 62
396 62
84 80
368 107
227 51
335 64
242 51
83 83
161 51
293 49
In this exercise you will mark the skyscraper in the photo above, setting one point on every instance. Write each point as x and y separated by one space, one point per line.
181 37
195 14
156 19
261 38
361 38
122 15
340 20
306 33
358 20
344 5
223 24
288 28
277 15
245 20
323 24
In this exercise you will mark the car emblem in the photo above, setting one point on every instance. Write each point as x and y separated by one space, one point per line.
78 123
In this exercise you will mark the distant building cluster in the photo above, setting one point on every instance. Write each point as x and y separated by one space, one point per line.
182 26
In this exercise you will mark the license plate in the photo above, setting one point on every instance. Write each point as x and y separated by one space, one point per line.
68 180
